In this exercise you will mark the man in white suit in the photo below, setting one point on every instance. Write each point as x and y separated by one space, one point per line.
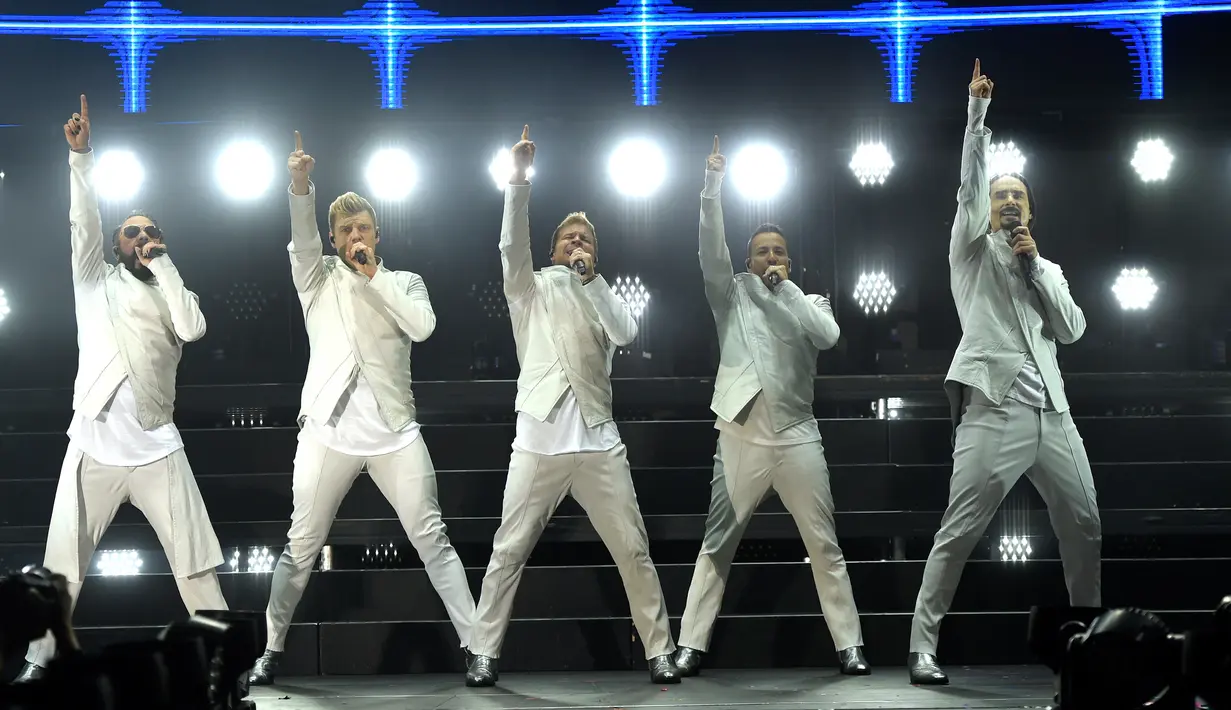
133 318
357 410
567 323
1005 390
769 334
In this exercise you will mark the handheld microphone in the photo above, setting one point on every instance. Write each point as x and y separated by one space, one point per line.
1008 224
774 280
580 267
361 258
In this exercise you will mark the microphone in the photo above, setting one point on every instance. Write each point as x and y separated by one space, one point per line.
1008 224
774 280
361 258
580 267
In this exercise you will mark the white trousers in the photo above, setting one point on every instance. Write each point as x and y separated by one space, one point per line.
407 479
743 475
602 483
85 507
993 447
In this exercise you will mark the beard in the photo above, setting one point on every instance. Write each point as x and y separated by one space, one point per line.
135 267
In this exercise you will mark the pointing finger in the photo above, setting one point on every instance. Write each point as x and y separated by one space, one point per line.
525 132
715 145
298 142
976 74
85 108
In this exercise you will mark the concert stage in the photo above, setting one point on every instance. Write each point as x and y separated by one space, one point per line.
978 687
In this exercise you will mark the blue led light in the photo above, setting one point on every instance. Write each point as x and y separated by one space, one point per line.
392 30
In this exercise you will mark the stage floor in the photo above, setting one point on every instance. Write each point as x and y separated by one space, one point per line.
973 687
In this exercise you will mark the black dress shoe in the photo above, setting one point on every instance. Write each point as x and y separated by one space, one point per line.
924 670
483 672
663 670
852 662
688 661
30 673
266 668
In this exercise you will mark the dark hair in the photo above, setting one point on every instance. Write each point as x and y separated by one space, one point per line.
115 236
766 228
1029 194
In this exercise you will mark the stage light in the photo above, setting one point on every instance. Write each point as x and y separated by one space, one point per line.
638 168
759 172
1005 158
244 171
391 174
113 563
1152 160
118 176
4 306
634 294
260 560
1015 549
874 292
1134 289
501 168
887 408
872 164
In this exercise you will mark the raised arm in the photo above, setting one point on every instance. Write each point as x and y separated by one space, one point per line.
516 257
307 265
613 312
974 202
85 224
185 307
716 268
405 296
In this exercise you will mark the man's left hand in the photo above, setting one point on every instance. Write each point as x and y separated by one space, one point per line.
1023 243
368 269
780 270
586 258
150 251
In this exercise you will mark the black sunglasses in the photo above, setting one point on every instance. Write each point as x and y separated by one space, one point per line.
133 230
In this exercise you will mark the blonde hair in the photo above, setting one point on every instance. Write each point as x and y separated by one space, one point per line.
349 205
573 218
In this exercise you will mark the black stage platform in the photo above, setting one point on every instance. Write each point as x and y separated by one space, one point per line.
887 688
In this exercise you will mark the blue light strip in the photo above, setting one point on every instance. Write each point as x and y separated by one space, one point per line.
392 30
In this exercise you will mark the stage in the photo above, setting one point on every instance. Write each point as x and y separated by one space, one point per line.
970 687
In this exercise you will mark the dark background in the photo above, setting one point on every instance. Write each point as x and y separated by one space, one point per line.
1065 95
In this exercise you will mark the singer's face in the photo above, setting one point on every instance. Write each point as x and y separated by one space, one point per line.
767 249
135 233
352 228
572 237
1009 199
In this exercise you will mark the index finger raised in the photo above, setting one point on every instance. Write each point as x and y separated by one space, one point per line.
977 72
85 107
716 145
298 142
525 132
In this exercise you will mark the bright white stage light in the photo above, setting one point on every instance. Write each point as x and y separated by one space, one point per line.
118 176
391 174
113 563
874 292
244 171
4 306
501 168
1152 161
872 163
1015 549
1005 158
1134 289
759 172
634 294
260 560
638 168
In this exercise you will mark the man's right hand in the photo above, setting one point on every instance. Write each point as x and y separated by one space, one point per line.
716 162
300 165
77 129
523 157
980 86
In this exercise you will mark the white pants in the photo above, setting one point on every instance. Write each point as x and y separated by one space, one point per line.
743 474
602 483
407 479
156 490
994 446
